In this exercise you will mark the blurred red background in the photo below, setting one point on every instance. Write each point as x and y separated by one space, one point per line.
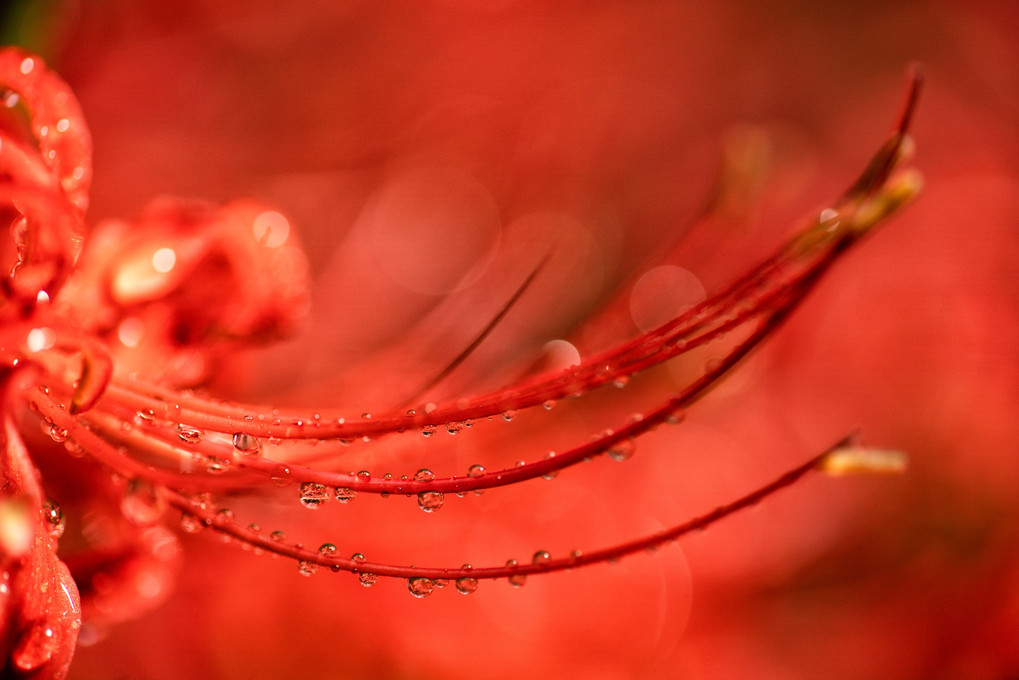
491 130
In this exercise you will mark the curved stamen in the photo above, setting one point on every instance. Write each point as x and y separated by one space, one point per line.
212 519
752 295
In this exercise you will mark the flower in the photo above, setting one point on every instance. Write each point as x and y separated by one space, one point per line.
191 433
187 279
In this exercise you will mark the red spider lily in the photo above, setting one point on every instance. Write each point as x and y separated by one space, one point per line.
83 319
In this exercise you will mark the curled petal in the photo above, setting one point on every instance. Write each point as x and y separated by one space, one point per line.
48 234
189 276
40 612
55 119
96 371
46 613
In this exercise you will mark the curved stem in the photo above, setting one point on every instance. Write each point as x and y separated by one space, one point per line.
209 518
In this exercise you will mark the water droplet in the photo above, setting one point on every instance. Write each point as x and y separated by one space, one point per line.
54 518
621 381
364 476
313 495
57 434
424 475
327 549
552 474
344 495
189 523
142 503
367 579
430 501
454 427
427 430
366 416
278 536
420 586
146 417
188 434
476 471
216 466
676 417
622 450
224 516
202 500
509 414
281 476
515 580
74 449
247 444
306 568
541 557
466 584
548 404
440 582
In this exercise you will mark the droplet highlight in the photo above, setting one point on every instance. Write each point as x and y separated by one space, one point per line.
189 435
246 444
313 495
420 587
622 450
344 494
430 501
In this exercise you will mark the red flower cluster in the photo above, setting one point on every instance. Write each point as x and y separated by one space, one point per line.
105 335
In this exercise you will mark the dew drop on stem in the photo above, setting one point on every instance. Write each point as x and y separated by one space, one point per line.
190 524
281 476
466 584
189 435
430 501
247 444
344 494
515 580
54 518
420 587
313 495
622 450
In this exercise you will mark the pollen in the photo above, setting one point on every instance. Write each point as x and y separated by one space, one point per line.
851 460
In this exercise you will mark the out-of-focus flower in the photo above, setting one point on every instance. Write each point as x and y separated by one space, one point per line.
439 240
